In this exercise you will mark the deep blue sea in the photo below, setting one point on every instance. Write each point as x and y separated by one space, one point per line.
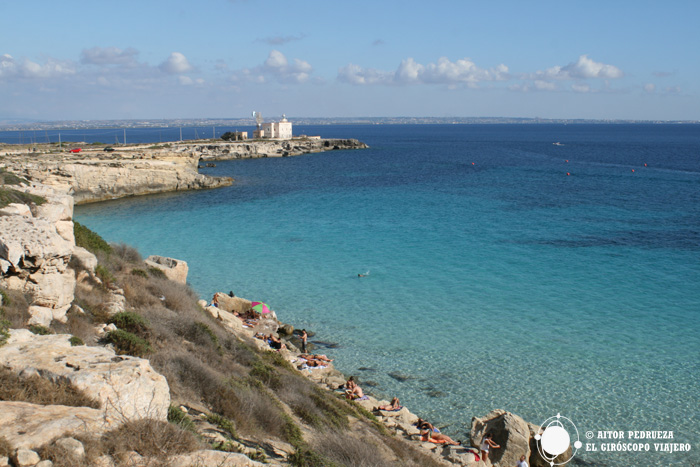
503 271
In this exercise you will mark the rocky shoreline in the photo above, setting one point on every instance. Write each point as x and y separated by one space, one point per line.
94 174
38 255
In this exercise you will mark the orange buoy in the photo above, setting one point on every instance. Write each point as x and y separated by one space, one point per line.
472 163
568 173
645 164
632 170
567 160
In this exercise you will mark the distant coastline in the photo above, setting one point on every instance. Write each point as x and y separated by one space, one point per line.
10 124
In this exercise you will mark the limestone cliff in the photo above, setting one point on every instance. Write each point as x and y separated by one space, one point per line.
97 176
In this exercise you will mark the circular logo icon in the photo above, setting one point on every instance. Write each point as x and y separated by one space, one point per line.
555 439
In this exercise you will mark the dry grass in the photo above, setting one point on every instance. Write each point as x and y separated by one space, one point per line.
150 438
6 449
15 306
38 390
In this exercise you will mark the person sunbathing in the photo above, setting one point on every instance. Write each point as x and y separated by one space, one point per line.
354 391
426 425
309 356
437 438
395 405
275 343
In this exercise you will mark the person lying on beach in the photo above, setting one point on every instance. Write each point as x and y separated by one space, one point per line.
311 363
395 405
438 438
425 425
309 356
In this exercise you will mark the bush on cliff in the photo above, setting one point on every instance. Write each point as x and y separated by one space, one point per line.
131 322
127 343
9 196
89 240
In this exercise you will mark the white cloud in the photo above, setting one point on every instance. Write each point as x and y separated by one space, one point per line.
175 64
355 74
109 56
583 68
11 69
650 87
187 81
409 71
276 67
581 87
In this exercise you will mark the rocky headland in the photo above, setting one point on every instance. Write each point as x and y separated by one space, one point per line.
94 174
108 359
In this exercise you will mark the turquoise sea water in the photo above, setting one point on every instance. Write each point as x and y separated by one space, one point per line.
495 279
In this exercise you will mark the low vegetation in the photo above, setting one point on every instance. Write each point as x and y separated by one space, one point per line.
251 396
38 390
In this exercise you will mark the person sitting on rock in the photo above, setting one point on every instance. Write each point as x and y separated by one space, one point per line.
521 462
395 405
437 438
275 343
353 391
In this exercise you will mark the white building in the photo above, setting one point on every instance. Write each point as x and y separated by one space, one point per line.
276 130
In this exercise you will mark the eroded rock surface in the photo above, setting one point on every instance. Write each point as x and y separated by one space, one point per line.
127 387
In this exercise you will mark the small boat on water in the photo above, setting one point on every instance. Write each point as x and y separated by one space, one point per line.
557 144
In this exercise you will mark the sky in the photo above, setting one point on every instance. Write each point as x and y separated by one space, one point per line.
154 59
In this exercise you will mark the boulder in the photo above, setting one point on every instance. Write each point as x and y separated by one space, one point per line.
127 387
72 447
16 209
25 458
229 320
232 304
86 258
509 431
174 269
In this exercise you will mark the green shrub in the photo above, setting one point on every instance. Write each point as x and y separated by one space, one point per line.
5 299
157 272
306 457
201 331
76 341
4 329
104 275
40 330
7 178
181 419
9 196
131 322
266 374
223 423
89 240
140 273
127 343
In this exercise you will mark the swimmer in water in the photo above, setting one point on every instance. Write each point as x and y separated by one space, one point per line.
363 275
